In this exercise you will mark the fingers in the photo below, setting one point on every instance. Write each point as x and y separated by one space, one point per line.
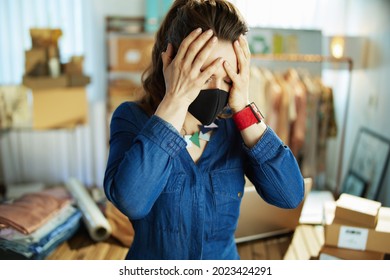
243 55
181 52
211 69
186 43
202 56
193 52
167 56
230 71
244 46
197 45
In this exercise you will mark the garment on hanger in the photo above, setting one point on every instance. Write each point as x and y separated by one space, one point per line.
300 109
309 150
298 125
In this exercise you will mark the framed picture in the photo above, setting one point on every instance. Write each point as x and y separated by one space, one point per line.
369 161
354 185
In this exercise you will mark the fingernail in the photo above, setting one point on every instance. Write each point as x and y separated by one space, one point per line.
214 39
209 32
198 30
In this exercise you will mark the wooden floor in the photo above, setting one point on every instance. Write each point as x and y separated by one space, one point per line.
81 247
272 248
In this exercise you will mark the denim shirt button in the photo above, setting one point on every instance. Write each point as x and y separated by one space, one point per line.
239 194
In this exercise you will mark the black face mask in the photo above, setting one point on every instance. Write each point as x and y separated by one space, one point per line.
208 104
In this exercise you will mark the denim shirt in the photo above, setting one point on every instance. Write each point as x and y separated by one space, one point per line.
186 210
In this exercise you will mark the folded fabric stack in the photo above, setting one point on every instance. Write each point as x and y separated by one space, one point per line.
33 225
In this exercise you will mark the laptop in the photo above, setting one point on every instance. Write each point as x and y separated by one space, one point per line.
258 219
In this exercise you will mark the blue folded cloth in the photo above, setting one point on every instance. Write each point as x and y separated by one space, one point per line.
40 249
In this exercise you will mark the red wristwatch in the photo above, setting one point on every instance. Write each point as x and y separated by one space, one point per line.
247 116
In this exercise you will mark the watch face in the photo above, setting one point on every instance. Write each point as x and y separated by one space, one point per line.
259 116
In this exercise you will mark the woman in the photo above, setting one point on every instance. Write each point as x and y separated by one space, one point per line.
181 183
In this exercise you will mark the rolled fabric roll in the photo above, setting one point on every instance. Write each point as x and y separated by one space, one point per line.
97 225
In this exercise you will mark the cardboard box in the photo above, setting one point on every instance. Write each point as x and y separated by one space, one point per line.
53 52
356 211
384 221
360 238
130 53
59 107
77 80
75 65
34 57
306 243
120 91
45 37
61 81
329 252
45 82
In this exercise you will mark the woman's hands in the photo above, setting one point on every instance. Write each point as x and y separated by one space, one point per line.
239 92
183 76
186 74
238 98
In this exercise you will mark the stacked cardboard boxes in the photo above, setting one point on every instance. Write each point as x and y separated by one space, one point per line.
129 55
356 228
42 63
59 98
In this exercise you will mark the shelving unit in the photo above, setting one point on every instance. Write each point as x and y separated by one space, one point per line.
128 55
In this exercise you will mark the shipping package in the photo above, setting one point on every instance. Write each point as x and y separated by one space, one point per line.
356 211
360 238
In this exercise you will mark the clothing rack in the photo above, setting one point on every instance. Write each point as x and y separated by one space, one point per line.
314 58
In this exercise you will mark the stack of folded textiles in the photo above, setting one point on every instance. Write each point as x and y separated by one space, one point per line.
33 225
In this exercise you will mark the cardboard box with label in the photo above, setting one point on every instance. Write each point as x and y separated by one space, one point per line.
361 238
130 53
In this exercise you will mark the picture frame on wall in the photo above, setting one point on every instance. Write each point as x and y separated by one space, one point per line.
354 185
370 157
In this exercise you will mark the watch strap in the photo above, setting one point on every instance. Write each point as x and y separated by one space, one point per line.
247 116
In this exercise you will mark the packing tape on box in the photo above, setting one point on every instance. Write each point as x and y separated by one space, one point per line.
97 225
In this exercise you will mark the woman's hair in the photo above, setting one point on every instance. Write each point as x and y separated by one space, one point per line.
183 17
